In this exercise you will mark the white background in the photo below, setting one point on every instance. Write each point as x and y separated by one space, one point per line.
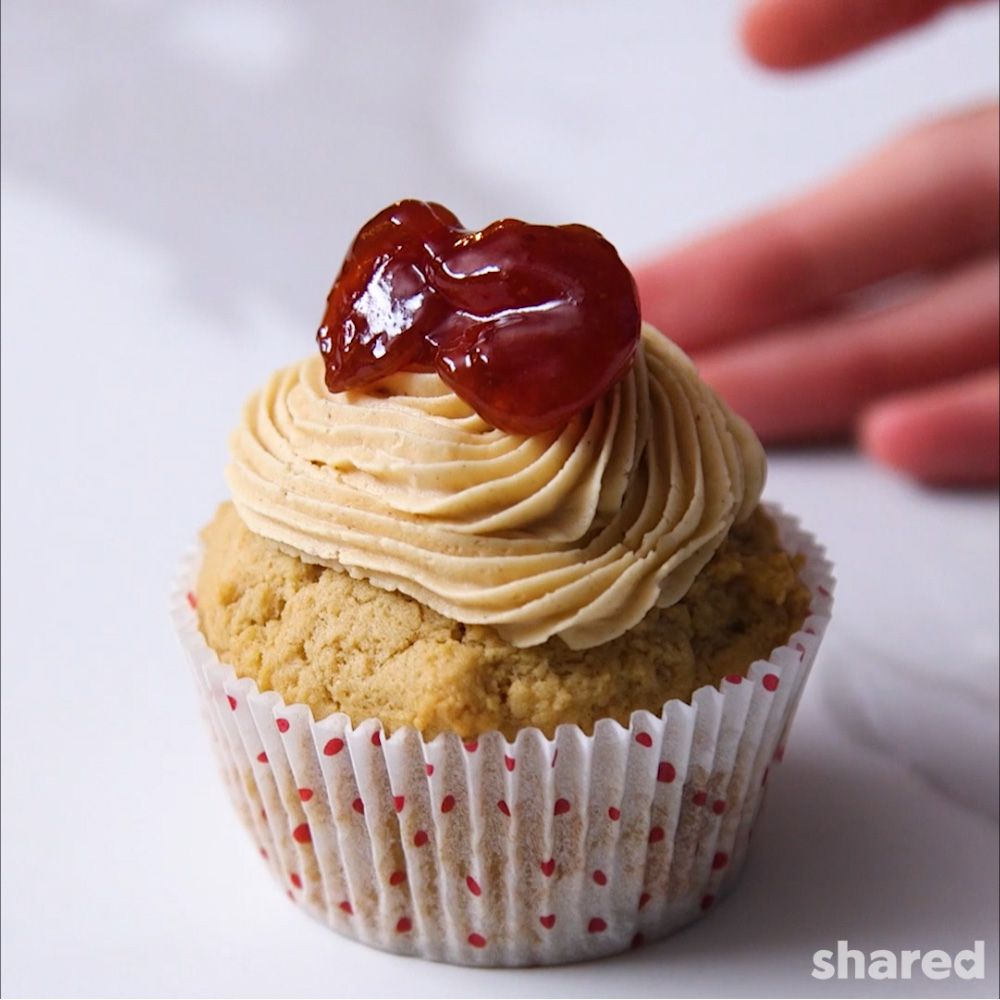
180 180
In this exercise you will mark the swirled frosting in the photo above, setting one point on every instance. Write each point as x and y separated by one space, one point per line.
577 532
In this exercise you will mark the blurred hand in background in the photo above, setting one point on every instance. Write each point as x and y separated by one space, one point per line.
769 308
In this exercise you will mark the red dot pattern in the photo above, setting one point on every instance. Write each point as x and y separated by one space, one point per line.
770 682
666 773
282 724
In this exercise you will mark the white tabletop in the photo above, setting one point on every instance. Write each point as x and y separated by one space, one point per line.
179 183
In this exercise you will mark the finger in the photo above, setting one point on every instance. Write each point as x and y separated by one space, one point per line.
812 381
791 34
927 200
946 436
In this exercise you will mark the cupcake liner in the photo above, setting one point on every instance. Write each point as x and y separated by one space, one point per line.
489 852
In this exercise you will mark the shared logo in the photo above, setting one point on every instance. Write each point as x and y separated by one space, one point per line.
850 963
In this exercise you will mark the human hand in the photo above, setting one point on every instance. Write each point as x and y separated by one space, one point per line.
765 306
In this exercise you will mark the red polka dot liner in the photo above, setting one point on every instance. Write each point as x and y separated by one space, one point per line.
497 853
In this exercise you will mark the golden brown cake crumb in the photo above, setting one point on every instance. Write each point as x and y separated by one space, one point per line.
321 638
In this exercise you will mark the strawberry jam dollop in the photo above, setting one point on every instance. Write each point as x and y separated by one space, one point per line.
528 324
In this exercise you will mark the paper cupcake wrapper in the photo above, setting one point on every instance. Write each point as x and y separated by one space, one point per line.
489 852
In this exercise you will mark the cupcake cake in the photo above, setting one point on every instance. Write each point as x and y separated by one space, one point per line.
495 637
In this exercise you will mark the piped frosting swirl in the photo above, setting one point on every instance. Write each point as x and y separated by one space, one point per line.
575 533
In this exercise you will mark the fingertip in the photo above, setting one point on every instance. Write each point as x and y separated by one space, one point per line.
885 433
794 34
785 35
945 436
762 34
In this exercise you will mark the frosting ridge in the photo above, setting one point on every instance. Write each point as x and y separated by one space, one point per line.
576 532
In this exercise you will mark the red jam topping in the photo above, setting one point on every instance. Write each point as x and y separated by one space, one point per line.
528 324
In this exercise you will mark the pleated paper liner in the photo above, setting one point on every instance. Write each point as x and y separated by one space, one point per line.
487 852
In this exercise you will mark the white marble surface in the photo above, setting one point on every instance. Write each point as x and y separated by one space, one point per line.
179 181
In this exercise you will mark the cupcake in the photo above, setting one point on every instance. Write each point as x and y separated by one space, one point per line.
495 637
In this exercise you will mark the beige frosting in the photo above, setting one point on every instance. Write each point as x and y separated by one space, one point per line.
577 532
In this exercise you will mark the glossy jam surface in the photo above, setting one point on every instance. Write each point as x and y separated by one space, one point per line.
528 324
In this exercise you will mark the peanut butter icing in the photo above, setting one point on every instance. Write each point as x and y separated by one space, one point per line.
575 533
